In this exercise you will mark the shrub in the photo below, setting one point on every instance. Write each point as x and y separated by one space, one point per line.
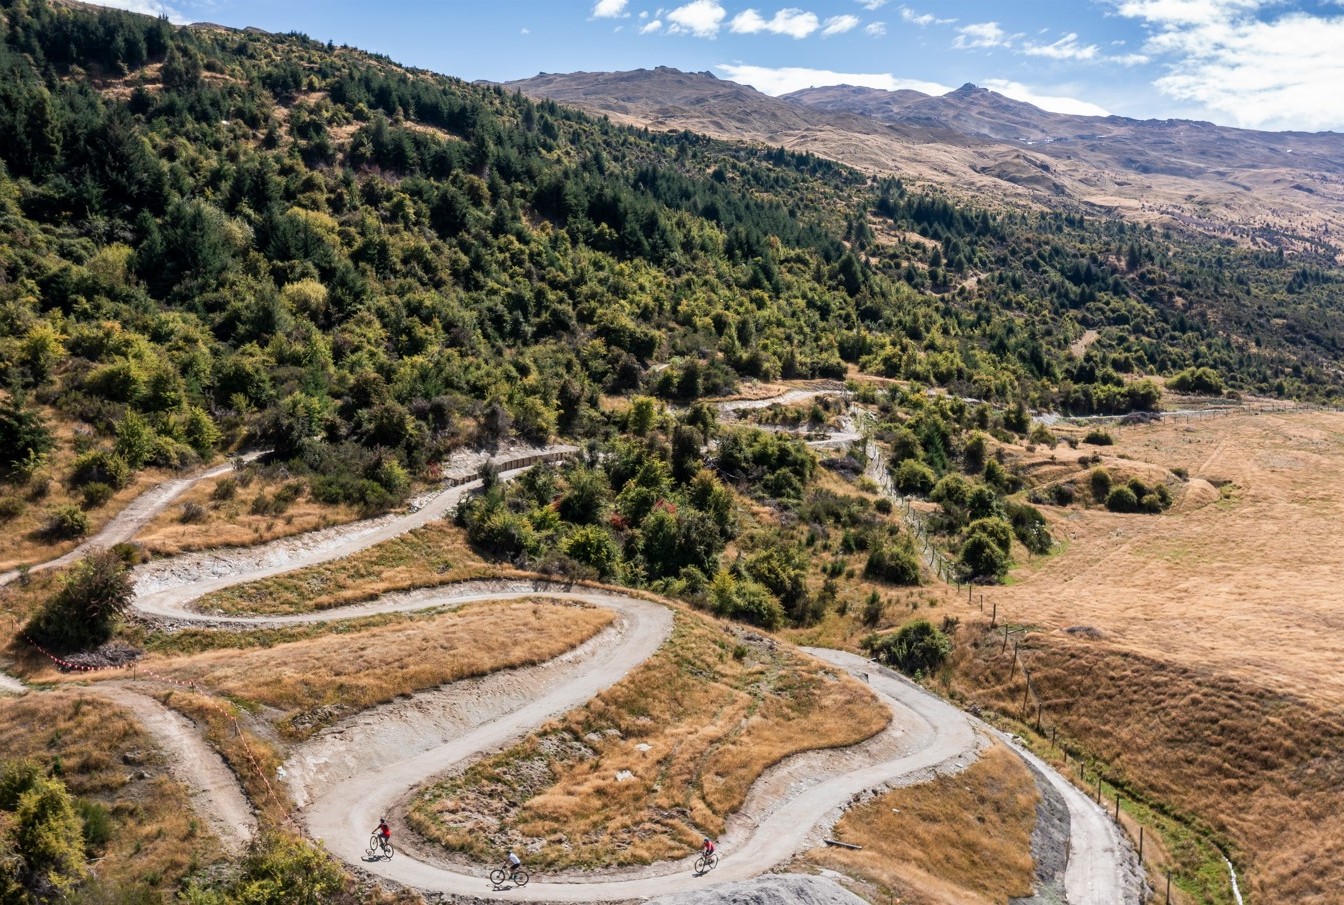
96 494
83 613
913 476
883 506
873 608
66 523
917 649
136 440
745 601
225 490
996 529
982 558
1063 494
1029 526
893 562
192 514
41 836
1122 499
98 825
1100 482
103 467
593 546
1203 381
1098 437
975 453
24 438
11 508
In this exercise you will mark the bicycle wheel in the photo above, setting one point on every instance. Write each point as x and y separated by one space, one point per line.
497 877
375 843
701 865
520 877
713 861
387 850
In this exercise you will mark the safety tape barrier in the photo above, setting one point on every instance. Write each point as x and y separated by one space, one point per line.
209 699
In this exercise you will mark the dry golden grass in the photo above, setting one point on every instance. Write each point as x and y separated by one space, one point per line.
315 681
20 542
436 554
231 523
103 756
1213 683
958 840
657 761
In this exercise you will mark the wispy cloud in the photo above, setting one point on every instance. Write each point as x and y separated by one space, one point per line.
872 5
1053 102
875 29
981 34
782 80
838 25
1066 48
651 26
795 23
1282 72
609 9
701 18
923 20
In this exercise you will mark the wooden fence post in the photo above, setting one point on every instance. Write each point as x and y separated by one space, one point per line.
994 617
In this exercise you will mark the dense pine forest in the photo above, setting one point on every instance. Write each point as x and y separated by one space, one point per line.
214 237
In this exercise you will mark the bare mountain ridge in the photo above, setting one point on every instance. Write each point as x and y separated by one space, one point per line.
1274 189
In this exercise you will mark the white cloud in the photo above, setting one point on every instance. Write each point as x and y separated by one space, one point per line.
609 9
651 27
525 31
872 5
792 22
1066 48
701 18
875 29
838 25
148 7
1054 103
922 19
981 34
794 78
1265 73
1185 12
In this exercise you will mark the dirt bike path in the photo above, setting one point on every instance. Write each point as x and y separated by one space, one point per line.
138 513
166 587
214 790
343 815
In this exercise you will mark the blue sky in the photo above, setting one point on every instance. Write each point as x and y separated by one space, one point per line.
1266 64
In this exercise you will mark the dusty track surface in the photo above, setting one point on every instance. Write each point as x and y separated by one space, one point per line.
138 513
214 789
11 685
348 776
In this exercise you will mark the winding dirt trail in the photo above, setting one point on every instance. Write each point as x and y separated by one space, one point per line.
214 789
138 513
350 775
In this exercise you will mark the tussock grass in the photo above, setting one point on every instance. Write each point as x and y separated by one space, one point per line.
958 840
1256 768
102 755
315 681
651 765
435 554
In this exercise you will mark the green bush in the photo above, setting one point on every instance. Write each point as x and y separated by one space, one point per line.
893 562
41 836
1029 526
11 508
101 467
24 438
996 529
744 600
225 490
913 476
1202 381
1100 482
982 558
1098 437
593 546
95 494
1122 499
66 523
916 649
84 612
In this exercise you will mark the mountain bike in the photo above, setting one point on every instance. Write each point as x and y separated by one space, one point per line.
706 863
379 848
517 876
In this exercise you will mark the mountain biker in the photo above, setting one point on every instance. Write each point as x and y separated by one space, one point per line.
511 863
384 832
707 848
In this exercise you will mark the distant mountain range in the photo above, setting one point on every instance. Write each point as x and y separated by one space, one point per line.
1283 189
